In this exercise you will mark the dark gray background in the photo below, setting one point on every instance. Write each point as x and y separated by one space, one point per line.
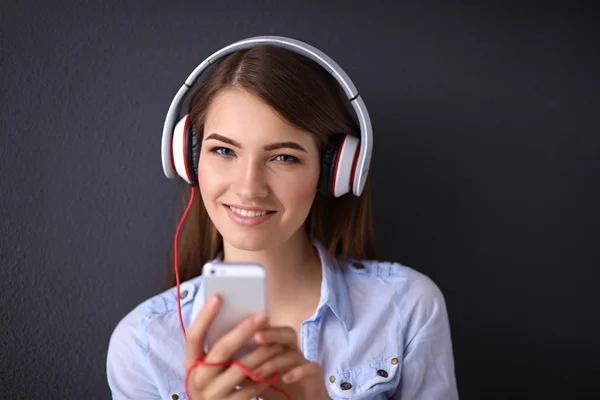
485 172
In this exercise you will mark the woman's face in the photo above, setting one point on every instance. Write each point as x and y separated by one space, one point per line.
257 173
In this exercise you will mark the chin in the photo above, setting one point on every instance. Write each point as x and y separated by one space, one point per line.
249 242
259 238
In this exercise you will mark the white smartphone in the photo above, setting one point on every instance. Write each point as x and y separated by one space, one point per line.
241 288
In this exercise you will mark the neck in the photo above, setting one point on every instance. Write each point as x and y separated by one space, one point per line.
293 270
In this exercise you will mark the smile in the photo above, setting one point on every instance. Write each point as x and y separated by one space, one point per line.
249 213
247 217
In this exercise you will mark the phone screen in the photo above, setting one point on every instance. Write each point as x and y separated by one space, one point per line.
241 288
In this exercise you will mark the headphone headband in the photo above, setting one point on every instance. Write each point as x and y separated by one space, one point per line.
366 132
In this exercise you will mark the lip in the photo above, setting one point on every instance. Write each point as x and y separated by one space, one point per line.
247 221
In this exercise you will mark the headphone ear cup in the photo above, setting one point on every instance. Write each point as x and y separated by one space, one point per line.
185 149
328 163
338 165
179 149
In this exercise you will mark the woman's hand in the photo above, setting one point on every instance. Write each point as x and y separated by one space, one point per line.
300 378
208 382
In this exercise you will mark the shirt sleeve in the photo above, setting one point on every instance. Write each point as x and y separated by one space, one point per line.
126 362
428 362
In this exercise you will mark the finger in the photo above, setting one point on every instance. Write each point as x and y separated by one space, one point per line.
302 372
233 340
281 364
284 335
249 391
234 376
194 346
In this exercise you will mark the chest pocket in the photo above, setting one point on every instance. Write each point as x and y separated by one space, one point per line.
370 381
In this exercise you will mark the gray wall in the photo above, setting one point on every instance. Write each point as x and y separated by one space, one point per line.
485 172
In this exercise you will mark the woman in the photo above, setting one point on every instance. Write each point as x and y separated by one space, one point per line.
340 325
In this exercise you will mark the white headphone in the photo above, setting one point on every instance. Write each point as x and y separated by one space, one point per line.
345 160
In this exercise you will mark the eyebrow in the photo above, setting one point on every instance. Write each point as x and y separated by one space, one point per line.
284 145
223 139
272 146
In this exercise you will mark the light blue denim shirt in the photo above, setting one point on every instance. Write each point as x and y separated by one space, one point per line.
380 331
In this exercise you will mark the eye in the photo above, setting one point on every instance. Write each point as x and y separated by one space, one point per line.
286 158
223 151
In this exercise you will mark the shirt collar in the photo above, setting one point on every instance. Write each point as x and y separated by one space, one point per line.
334 290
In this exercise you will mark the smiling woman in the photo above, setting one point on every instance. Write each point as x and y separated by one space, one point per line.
276 168
272 99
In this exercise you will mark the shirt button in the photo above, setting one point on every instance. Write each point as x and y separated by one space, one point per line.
174 397
346 386
183 296
382 372
394 361
332 379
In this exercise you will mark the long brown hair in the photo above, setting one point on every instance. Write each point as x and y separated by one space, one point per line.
307 96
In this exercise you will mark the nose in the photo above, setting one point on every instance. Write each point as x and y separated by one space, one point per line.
252 181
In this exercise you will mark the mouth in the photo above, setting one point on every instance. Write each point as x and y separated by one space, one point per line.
249 213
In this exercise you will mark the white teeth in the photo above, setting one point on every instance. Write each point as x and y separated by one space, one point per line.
246 213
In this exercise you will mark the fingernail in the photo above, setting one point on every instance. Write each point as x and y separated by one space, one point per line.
212 300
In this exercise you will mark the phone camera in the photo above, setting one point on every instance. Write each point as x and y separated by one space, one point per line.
212 271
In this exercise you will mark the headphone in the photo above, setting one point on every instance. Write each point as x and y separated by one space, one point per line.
345 160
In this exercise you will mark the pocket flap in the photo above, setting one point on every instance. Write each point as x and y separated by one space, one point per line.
351 383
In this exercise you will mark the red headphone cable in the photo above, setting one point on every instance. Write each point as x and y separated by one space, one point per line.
176 264
201 361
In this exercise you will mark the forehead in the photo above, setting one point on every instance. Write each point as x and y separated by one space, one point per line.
242 116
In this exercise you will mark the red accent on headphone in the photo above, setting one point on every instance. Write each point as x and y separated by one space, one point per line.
337 164
172 158
185 161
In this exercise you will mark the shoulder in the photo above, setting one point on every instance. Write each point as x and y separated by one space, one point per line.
135 334
418 300
407 281
159 306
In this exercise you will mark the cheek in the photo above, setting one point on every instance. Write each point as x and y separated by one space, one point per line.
208 181
299 193
203 178
307 189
